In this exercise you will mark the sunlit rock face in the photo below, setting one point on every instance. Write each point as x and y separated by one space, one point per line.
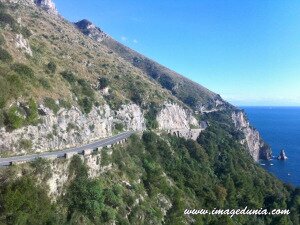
256 146
47 5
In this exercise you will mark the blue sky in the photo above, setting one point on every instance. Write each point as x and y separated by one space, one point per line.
247 51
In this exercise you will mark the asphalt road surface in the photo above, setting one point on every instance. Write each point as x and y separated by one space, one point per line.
62 153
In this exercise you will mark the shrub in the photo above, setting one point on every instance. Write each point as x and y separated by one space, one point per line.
21 201
150 116
108 214
136 96
25 144
103 82
83 194
51 67
33 115
86 88
65 104
23 70
51 104
4 89
5 56
2 118
45 83
166 82
42 167
69 76
86 104
5 19
14 118
71 126
190 101
119 126
15 84
25 32
2 39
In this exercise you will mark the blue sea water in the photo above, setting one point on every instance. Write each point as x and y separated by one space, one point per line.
280 128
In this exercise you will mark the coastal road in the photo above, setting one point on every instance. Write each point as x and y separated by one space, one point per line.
76 150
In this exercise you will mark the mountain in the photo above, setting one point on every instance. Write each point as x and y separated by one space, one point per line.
64 85
199 98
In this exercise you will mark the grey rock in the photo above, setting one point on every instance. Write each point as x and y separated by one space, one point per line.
282 155
256 146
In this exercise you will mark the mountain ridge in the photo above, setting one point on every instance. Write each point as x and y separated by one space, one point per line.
132 77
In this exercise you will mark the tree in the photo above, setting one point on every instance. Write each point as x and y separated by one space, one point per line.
24 202
103 82
51 66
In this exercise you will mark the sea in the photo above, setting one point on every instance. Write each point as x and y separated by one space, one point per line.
280 128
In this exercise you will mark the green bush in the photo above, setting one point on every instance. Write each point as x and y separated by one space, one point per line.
51 67
5 56
15 118
45 83
108 214
190 101
16 86
103 82
2 39
32 114
136 96
25 32
5 19
65 104
51 104
24 202
2 118
23 70
42 167
150 116
167 82
86 104
69 76
86 88
25 144
83 194
119 126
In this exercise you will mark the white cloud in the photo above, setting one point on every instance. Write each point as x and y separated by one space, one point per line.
123 38
135 41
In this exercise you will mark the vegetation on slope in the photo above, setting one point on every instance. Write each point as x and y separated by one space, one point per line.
164 176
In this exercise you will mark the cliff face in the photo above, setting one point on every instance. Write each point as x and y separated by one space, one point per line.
47 5
257 147
68 128
179 121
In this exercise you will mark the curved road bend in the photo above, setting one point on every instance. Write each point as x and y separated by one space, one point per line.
62 153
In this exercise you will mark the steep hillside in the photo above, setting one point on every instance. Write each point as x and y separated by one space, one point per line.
189 92
64 85
60 88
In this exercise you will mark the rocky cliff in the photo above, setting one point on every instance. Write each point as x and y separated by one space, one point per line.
257 147
69 128
179 121
47 5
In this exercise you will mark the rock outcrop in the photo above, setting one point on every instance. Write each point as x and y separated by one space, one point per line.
282 155
173 116
132 116
89 29
70 127
258 149
22 44
47 5
178 121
